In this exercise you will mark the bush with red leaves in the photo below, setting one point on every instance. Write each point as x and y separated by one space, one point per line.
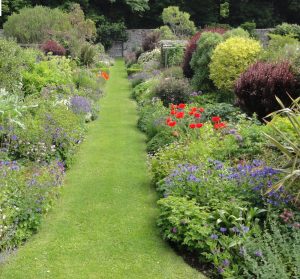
151 41
257 87
54 47
191 48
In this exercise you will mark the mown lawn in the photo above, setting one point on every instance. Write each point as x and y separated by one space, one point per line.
103 226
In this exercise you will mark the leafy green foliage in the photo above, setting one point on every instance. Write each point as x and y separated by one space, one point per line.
236 32
285 29
175 56
172 90
178 21
35 25
56 71
11 61
288 146
274 254
202 58
26 194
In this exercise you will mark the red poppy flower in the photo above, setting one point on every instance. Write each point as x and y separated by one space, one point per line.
179 114
216 119
173 112
173 107
199 125
197 115
220 125
191 113
168 120
193 126
181 106
194 109
201 109
172 123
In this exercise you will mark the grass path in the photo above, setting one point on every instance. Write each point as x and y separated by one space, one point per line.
103 226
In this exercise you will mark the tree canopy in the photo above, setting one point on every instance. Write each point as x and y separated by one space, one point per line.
147 13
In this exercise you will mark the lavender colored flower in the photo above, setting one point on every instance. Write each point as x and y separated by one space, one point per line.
223 230
258 253
226 262
245 229
80 105
214 236
174 230
221 270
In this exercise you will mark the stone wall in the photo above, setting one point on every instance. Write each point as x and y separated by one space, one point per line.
136 37
263 35
135 40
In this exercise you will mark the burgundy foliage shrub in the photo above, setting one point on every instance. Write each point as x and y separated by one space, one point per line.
54 47
257 87
191 48
151 41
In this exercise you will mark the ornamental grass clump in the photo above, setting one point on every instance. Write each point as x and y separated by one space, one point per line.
257 88
230 59
289 147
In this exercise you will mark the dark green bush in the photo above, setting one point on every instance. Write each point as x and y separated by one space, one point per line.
202 58
172 90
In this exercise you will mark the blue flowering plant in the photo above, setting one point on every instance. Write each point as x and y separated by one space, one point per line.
26 194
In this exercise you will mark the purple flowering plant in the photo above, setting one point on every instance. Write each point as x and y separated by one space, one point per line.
29 192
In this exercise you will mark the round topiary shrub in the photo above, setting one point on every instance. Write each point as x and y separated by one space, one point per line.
54 47
236 32
172 90
257 87
202 58
191 48
230 59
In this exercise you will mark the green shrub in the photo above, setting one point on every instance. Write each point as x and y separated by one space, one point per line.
133 69
175 72
287 29
183 222
53 132
26 194
55 71
179 21
172 90
88 54
175 56
35 25
149 57
11 61
274 52
250 28
202 58
162 138
151 120
236 32
273 254
144 91
166 33
230 59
